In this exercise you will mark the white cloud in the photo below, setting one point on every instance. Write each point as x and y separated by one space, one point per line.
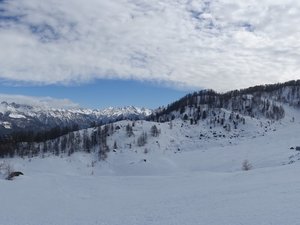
45 102
221 44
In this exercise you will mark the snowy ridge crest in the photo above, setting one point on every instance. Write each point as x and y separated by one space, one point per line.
15 116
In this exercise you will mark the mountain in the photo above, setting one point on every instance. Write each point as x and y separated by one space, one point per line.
234 155
259 101
20 117
216 115
198 118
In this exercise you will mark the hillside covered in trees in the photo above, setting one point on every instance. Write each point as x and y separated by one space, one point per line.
258 101
225 112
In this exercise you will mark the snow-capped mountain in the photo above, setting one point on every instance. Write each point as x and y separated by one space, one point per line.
14 117
200 155
202 117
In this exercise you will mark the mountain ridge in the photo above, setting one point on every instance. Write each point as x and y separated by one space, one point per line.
18 117
256 101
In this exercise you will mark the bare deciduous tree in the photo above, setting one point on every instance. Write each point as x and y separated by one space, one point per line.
246 166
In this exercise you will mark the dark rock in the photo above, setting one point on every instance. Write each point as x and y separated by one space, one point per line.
14 174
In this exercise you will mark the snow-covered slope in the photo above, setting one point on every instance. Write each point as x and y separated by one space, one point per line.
15 117
187 172
179 179
204 146
55 191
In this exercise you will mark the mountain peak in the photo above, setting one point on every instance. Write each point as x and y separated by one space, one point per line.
38 117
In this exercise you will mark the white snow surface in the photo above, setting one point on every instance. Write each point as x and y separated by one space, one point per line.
182 180
16 116
5 124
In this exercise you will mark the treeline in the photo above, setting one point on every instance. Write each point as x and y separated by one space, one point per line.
9 143
39 136
254 101
30 135
266 88
200 101
92 140
62 141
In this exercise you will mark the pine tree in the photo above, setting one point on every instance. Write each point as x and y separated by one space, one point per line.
115 145
142 140
129 130
154 131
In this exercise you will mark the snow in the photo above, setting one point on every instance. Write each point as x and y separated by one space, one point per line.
16 116
55 191
21 111
182 180
5 124
37 115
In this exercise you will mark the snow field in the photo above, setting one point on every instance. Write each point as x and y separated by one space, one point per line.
182 180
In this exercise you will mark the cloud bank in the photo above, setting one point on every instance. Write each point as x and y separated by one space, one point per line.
219 44
45 102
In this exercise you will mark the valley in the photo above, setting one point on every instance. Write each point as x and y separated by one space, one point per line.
180 171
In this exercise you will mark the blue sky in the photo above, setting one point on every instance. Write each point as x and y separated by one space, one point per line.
91 53
104 93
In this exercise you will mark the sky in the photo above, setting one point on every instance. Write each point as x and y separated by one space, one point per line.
99 94
61 49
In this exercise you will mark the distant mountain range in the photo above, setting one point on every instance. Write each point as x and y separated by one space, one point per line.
201 116
264 101
20 117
